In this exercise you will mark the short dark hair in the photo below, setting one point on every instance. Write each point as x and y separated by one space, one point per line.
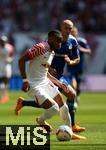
56 33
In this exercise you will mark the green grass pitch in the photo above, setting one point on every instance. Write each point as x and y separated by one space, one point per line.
91 114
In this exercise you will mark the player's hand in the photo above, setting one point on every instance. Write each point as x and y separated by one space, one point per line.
25 87
68 61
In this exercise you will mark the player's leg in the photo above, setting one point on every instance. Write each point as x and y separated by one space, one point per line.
64 112
21 102
71 95
5 83
4 89
46 102
63 109
74 85
78 79
51 108
54 93
70 103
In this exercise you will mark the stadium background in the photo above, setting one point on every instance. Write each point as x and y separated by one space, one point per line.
26 22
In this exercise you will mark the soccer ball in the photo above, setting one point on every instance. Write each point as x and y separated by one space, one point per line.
64 133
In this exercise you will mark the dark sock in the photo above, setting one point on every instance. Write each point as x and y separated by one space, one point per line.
30 103
70 104
76 99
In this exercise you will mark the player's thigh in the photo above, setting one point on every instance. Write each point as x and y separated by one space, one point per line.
51 89
41 96
74 83
54 93
59 100
70 94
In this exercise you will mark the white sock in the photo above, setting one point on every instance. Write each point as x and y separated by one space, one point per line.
64 113
48 113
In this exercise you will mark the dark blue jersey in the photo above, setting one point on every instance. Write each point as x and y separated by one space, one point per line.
68 47
79 67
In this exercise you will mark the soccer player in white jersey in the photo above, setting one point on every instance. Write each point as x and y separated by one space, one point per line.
6 57
39 83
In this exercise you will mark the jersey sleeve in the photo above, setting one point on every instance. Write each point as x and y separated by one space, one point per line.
83 42
35 51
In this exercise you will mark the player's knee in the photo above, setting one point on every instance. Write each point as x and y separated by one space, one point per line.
55 107
65 106
51 111
72 95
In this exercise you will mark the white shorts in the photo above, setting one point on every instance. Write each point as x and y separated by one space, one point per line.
44 92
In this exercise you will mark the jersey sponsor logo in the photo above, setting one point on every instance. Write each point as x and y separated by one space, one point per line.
45 65
70 46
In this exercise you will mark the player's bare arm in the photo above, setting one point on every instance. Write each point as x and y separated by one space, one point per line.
22 62
54 80
85 50
71 62
57 82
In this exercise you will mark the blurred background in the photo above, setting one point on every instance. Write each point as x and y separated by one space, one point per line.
26 22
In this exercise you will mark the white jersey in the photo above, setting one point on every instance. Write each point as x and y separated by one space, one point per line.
6 57
9 60
40 60
3 58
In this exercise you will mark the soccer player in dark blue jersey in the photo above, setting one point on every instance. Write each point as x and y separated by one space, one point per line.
67 54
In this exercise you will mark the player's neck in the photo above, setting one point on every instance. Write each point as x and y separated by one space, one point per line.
51 48
65 37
